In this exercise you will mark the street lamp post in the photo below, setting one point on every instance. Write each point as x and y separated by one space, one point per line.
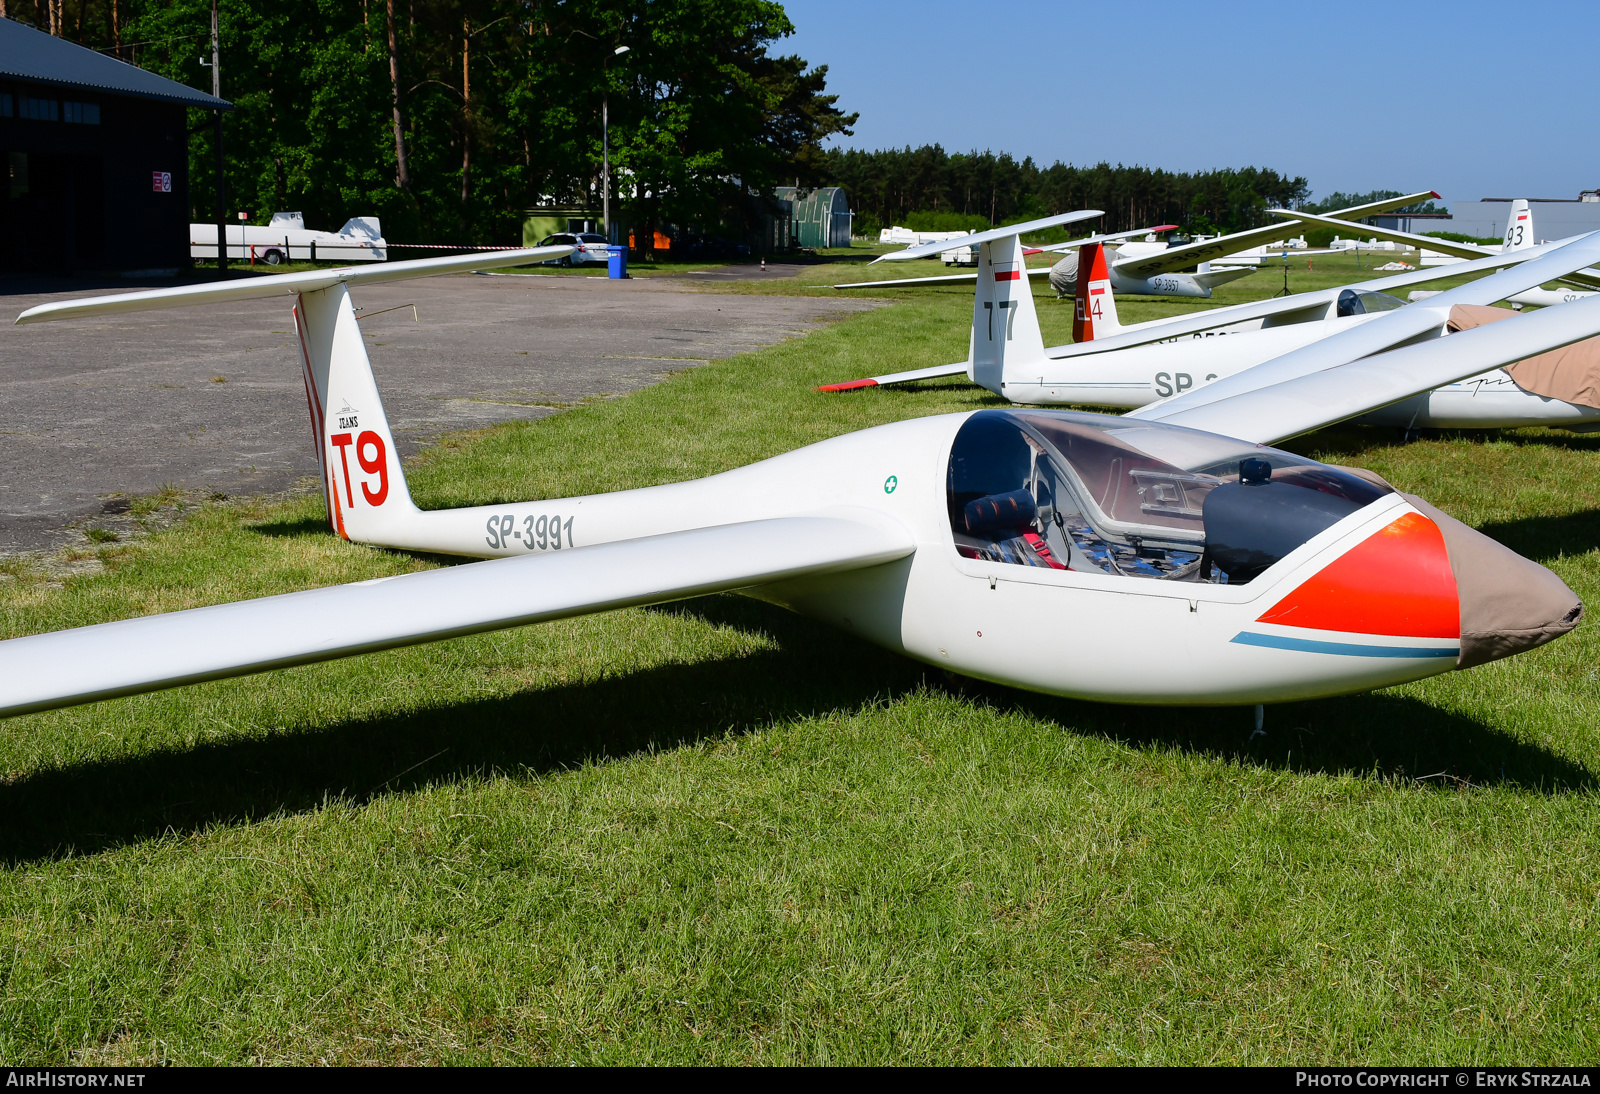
605 150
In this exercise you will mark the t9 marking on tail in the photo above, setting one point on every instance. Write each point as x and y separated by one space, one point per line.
377 464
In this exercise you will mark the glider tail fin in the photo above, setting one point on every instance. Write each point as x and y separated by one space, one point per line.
1096 314
363 484
1519 227
1006 342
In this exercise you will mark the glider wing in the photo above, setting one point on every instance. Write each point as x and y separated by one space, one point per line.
1339 377
160 651
1177 258
289 284
1177 326
1272 414
1587 278
973 240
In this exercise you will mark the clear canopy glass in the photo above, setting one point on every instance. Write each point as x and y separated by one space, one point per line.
1100 494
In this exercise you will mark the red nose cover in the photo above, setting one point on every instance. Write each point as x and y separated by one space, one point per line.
1397 581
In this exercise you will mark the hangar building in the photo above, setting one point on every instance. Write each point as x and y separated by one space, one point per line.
821 215
96 153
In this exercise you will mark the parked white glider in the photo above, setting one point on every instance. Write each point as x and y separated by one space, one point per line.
1124 367
1067 553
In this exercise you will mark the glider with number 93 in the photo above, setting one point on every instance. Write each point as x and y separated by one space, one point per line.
1171 557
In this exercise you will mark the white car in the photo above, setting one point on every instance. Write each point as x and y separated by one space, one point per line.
592 248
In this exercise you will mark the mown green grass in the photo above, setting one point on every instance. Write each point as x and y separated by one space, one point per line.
715 832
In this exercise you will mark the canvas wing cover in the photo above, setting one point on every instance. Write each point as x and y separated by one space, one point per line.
136 655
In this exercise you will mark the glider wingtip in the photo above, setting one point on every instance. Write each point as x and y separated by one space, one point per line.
851 385
1436 194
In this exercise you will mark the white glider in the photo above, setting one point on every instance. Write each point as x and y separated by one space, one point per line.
1075 554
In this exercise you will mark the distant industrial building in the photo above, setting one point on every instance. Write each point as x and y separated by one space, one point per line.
821 216
1553 218
97 158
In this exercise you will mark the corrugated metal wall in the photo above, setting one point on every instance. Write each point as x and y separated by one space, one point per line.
821 216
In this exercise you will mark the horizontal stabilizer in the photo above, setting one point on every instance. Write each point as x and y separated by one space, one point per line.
945 279
1074 244
899 377
160 651
989 236
289 284
1212 278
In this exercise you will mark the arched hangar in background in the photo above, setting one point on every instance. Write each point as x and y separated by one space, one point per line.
821 215
96 153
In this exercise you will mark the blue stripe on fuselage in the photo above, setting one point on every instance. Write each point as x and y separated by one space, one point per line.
1347 649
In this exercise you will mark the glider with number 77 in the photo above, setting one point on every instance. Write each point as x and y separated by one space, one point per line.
1176 559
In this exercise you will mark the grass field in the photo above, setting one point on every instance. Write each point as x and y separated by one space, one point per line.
717 833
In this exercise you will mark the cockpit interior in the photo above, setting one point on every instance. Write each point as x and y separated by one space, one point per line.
1361 302
1094 494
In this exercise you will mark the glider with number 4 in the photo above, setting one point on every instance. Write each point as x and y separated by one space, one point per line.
1172 560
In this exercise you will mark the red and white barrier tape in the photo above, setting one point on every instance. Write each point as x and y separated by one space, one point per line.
448 247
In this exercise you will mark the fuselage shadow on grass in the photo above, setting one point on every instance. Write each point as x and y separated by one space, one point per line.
289 527
1544 538
1380 734
88 807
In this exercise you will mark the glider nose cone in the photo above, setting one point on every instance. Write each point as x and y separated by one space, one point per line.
1509 604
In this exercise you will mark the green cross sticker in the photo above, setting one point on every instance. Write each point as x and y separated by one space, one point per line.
889 484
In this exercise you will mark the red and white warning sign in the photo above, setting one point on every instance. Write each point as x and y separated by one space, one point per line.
161 183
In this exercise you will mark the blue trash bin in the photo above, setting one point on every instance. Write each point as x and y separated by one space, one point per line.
617 262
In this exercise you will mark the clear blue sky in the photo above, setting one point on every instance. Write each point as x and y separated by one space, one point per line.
1474 100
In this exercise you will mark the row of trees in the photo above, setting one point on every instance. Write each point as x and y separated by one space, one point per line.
1340 200
446 116
935 188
